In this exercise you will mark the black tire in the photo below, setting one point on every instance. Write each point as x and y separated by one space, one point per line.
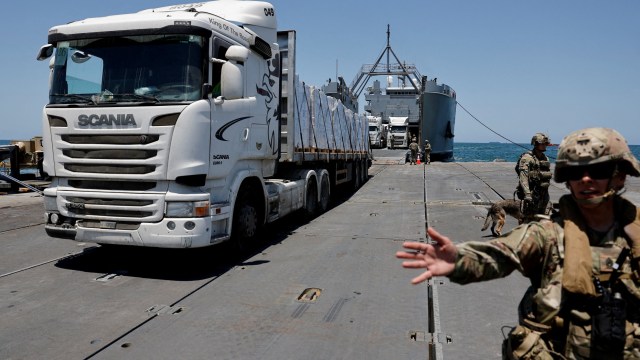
325 194
356 176
364 174
246 224
311 199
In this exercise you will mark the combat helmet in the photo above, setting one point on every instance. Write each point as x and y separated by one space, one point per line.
540 138
593 146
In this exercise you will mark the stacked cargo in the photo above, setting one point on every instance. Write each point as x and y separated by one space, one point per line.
304 133
324 125
321 119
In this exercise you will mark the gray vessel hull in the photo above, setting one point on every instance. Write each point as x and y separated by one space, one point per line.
438 123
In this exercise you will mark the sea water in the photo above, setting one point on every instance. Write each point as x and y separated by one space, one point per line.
486 152
483 152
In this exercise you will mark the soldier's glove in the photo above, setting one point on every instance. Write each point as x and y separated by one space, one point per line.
527 203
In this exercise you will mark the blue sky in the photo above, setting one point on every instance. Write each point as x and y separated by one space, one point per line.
518 66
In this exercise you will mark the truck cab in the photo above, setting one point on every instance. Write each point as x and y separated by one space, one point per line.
165 128
376 133
399 132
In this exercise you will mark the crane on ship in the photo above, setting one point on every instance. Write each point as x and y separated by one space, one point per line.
402 70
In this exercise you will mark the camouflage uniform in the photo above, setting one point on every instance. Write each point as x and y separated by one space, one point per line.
414 151
427 152
534 176
537 250
569 302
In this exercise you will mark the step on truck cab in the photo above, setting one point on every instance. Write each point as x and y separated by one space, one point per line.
185 126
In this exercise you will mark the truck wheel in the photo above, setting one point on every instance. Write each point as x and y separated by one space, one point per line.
364 173
325 194
245 222
311 199
356 176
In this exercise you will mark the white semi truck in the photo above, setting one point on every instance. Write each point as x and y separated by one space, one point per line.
186 126
399 132
376 132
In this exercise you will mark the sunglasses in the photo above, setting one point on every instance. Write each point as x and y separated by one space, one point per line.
596 172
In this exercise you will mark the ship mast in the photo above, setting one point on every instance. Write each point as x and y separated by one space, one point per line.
377 69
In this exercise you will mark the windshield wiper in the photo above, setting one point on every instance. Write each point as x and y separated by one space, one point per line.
85 99
148 98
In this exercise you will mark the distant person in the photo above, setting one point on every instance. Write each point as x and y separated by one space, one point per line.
413 148
534 177
427 152
584 298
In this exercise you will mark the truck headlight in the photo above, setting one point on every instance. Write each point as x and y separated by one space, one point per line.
185 209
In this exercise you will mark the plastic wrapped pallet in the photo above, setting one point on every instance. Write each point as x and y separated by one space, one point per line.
351 136
334 134
363 134
321 120
302 129
340 127
356 132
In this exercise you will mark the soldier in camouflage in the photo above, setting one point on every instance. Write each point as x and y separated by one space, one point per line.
413 147
583 262
534 177
427 152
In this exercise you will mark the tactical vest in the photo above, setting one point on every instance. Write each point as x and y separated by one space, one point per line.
546 305
539 170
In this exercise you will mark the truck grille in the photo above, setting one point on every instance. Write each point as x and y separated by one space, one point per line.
110 139
110 169
111 206
130 154
112 185
109 154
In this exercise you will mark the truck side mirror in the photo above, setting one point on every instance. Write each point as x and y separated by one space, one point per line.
231 79
237 53
45 52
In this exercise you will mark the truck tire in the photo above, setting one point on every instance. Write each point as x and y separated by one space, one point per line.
245 222
325 194
364 173
311 199
356 176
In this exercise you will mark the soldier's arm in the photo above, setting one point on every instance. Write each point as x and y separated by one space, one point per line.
524 174
519 249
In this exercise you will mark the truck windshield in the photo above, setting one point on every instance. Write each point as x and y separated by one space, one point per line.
396 129
134 69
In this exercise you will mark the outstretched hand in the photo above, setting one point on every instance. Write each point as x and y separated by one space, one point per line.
438 259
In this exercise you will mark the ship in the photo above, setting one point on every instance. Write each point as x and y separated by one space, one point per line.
427 107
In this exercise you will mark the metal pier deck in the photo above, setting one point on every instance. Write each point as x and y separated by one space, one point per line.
330 288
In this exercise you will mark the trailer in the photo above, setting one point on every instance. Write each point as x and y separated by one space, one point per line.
187 126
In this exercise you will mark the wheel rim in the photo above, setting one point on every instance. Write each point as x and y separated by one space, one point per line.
247 221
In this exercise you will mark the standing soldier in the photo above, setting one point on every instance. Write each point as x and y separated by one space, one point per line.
534 178
413 147
583 262
427 152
